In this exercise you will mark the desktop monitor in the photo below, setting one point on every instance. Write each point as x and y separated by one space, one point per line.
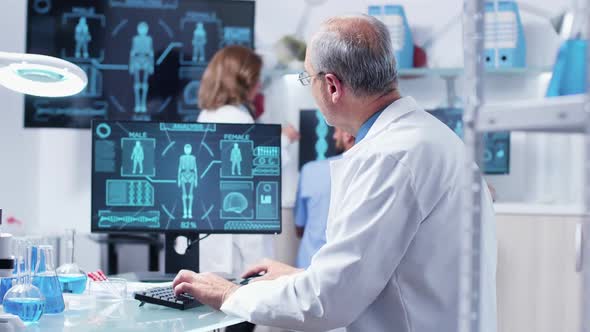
496 156
185 177
144 58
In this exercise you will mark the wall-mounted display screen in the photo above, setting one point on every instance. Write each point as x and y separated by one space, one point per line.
144 59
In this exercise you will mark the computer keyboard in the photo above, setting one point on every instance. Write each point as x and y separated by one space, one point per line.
165 296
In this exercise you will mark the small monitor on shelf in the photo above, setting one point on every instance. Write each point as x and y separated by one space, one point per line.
496 156
317 143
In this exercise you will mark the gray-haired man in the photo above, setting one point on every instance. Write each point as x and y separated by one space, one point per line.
391 260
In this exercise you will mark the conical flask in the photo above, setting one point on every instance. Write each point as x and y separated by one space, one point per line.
24 299
46 280
71 277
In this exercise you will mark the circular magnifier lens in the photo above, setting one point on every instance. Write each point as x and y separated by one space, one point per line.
40 75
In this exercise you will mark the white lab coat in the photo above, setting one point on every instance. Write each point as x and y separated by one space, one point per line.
230 253
391 261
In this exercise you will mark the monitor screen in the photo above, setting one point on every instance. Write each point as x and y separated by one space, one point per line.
496 145
186 177
316 141
144 59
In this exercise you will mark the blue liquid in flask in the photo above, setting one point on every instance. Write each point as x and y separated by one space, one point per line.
72 283
50 288
28 309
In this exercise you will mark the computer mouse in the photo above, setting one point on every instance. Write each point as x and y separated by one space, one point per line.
246 281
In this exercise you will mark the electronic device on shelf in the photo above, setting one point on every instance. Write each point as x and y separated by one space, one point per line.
496 157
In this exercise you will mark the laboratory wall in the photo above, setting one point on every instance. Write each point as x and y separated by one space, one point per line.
19 148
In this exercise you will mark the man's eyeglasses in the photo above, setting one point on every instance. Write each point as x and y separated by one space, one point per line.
305 79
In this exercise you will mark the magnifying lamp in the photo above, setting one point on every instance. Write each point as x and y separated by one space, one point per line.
40 75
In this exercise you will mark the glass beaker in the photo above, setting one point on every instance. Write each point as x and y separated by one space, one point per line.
46 279
24 299
71 277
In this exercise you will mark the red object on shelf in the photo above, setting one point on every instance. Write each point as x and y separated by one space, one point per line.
420 58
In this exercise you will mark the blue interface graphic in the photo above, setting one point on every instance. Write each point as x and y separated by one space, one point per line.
316 141
496 156
144 58
206 178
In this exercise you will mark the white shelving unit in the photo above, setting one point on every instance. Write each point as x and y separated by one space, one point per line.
569 114
412 73
558 114
532 209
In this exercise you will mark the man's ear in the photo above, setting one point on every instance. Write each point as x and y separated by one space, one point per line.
348 138
334 87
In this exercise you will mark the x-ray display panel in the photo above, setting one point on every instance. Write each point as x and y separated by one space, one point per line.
194 177
316 141
496 145
144 58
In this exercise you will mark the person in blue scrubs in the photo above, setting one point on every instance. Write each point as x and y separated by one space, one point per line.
313 201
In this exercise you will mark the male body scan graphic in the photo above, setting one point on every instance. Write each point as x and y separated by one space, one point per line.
141 65
137 157
199 42
82 38
187 180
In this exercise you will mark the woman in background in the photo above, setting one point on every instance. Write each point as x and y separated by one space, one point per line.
229 85
226 95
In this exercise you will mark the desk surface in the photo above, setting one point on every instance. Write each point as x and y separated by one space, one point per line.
89 314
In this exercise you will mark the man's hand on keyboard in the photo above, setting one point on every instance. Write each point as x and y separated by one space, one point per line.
270 270
207 288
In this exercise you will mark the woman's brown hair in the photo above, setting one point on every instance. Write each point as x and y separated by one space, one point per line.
230 76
